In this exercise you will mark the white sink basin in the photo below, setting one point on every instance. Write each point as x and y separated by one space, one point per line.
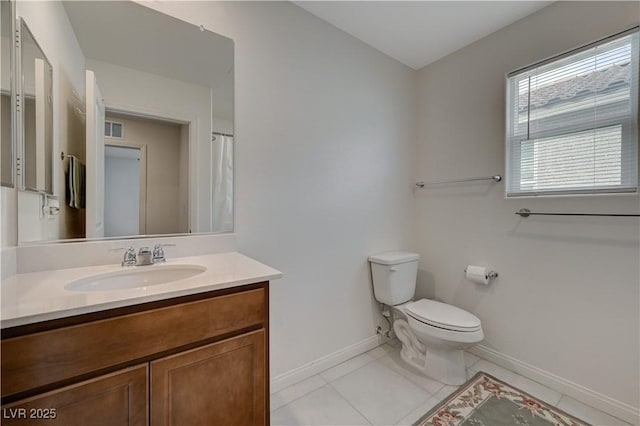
135 277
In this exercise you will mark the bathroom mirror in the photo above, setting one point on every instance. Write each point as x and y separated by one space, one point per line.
7 150
36 114
144 131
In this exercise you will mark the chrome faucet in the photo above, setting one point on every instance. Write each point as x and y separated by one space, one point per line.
144 257
129 258
158 252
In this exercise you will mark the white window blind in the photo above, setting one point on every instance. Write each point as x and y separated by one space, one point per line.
572 122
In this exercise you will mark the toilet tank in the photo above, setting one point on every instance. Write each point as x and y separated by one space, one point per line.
394 276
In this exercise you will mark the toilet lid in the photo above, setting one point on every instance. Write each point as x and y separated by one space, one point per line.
393 257
442 315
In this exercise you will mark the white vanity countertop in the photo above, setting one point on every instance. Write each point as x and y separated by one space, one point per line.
41 296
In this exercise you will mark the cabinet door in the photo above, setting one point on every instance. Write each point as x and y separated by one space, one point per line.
116 399
223 383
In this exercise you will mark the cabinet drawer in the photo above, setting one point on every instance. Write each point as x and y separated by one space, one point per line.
45 358
117 399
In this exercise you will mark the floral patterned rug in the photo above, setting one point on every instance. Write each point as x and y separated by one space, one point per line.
487 401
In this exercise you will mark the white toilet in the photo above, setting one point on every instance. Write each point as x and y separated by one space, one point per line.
434 335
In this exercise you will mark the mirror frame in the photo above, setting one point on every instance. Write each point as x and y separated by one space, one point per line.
19 122
12 88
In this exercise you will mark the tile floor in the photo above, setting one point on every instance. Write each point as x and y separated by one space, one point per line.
378 388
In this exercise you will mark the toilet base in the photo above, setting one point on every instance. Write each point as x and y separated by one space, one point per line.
437 361
443 365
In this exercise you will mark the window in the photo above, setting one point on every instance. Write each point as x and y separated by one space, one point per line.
572 122
113 129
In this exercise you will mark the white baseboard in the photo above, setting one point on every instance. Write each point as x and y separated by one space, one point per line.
312 368
587 396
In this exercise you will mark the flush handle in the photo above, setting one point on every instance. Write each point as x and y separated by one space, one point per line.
393 269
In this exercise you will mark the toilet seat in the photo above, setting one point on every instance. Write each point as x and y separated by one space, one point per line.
443 316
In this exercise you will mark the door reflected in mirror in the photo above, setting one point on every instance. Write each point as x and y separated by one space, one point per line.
155 100
146 176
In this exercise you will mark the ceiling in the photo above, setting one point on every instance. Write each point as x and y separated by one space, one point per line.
134 36
418 33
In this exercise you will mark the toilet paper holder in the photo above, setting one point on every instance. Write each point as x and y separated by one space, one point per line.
489 275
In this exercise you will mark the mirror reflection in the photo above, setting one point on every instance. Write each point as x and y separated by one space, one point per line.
144 136
36 114
6 117
146 171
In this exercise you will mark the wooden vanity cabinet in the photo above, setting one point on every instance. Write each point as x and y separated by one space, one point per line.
229 377
119 398
193 360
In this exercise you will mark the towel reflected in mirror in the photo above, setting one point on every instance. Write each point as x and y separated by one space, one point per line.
75 183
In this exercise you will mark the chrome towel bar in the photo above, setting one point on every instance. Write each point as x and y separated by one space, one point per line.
527 213
63 156
495 178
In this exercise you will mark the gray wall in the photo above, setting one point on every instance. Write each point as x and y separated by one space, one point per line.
567 298
324 131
